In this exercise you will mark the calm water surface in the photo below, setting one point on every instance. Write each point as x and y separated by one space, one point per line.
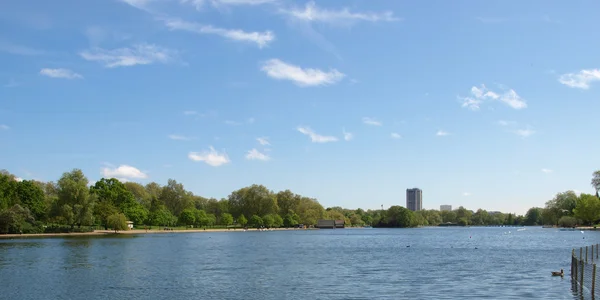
441 263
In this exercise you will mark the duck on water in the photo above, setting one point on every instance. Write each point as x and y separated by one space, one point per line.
561 273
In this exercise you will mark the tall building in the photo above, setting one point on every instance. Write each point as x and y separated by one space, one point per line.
445 207
414 199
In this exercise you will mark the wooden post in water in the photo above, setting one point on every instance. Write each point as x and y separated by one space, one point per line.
581 278
572 259
593 279
596 251
586 247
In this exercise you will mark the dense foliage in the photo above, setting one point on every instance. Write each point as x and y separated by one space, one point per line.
71 204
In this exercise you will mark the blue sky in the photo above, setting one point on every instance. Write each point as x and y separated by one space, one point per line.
490 104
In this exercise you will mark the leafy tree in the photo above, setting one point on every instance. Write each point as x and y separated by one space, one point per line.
8 190
533 216
32 196
13 219
162 217
74 199
510 219
140 194
188 216
398 216
356 220
596 181
277 221
561 205
448 216
242 220
567 221
253 200
226 219
134 211
480 217
118 222
290 220
287 202
268 221
175 197
256 221
587 209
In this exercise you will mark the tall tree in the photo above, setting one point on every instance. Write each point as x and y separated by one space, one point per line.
75 205
32 196
175 197
533 216
596 181
587 209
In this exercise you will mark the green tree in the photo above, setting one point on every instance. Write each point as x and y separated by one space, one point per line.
356 220
533 216
596 181
32 196
118 222
226 219
242 220
510 219
561 205
162 217
140 194
8 190
253 200
74 200
175 197
188 216
277 221
268 221
256 221
134 211
398 216
567 221
587 209
290 220
13 219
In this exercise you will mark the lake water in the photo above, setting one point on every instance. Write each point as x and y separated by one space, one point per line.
441 263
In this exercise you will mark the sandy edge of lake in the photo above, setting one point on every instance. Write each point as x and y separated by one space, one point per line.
135 231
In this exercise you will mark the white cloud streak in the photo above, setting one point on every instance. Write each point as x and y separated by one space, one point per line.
280 70
481 94
395 135
4 127
348 136
312 13
139 54
200 3
263 141
177 137
60 73
11 48
524 132
257 155
211 157
315 138
123 171
370 121
547 171
261 39
581 79
442 133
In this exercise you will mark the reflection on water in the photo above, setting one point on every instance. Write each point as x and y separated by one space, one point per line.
441 263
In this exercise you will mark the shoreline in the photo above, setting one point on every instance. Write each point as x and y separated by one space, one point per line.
132 232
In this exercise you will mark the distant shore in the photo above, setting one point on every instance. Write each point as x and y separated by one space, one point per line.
135 231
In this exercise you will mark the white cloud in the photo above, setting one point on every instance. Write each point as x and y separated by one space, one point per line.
482 93
4 127
18 179
395 135
280 70
200 3
524 132
315 138
139 54
180 137
60 73
263 141
348 136
261 39
256 155
442 133
139 4
123 171
506 123
581 79
232 123
370 121
211 157
190 112
512 99
466 194
251 120
312 13
547 171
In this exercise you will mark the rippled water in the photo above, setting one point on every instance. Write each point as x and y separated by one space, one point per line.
441 263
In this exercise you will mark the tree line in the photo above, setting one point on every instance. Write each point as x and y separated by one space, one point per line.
71 204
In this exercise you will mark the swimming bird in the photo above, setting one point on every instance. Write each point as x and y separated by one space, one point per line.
561 273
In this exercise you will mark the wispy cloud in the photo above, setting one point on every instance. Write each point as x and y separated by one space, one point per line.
348 136
315 138
211 157
4 127
466 194
190 113
232 123
371 121
257 155
280 70
506 123
15 49
442 133
581 79
60 73
547 171
395 135
524 132
261 39
482 93
123 171
263 141
178 137
139 54
312 13
200 3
